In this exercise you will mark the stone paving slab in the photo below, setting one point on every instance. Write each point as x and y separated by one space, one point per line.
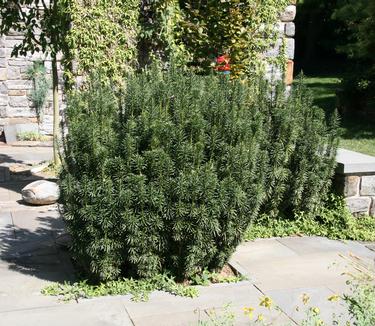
16 302
270 248
19 205
10 195
26 155
6 220
17 281
217 316
184 318
187 311
104 312
34 221
25 275
311 245
4 195
279 268
290 301
314 270
29 257
270 318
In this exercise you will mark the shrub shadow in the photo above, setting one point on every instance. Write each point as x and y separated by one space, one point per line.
34 252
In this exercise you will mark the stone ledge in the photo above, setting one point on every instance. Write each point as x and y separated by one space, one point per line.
349 162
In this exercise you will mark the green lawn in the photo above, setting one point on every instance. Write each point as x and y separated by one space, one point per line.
357 133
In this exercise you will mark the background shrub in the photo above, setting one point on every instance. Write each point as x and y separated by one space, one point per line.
168 174
358 44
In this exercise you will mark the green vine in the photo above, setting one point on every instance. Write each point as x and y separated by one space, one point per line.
196 32
118 36
103 36
161 32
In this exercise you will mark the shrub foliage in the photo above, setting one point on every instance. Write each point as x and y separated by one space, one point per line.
301 149
168 174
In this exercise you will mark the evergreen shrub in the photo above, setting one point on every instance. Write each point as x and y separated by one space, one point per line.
167 175
301 145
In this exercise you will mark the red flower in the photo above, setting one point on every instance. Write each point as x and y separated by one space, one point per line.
222 59
225 67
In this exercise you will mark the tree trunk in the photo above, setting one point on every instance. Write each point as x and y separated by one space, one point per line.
56 112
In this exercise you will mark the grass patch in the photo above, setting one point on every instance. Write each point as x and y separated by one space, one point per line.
31 136
334 221
324 90
357 134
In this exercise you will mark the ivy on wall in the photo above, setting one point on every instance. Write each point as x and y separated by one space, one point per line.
103 35
119 36
196 32
161 34
244 29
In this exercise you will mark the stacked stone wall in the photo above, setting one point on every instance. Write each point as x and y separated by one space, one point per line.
359 192
286 30
15 86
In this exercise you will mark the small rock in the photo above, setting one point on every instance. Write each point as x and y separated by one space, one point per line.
358 205
290 29
368 185
41 192
289 14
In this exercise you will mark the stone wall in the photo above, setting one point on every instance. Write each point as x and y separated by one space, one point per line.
15 87
359 192
15 103
355 180
286 30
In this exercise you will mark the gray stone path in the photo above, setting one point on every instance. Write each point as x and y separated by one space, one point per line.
283 269
27 155
286 268
12 157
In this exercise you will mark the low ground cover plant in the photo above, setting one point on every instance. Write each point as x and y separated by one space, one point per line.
167 174
138 289
361 298
332 220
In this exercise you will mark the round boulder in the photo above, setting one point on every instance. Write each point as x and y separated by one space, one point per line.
41 192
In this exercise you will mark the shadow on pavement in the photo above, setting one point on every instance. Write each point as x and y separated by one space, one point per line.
4 158
34 252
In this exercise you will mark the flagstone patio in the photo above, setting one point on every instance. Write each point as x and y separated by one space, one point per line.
282 268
